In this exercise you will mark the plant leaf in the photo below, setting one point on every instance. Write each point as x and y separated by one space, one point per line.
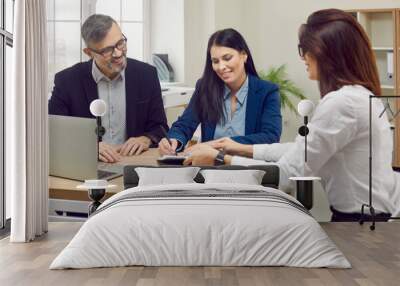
287 89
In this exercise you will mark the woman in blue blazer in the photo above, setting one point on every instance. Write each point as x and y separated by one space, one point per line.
230 100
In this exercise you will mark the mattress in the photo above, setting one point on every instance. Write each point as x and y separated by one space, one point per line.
201 225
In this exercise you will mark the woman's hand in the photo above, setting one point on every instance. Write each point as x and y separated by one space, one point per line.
197 145
232 147
200 155
165 148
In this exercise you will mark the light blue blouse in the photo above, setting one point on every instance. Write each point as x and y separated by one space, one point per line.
234 125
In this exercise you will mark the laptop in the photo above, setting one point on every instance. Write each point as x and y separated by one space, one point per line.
73 149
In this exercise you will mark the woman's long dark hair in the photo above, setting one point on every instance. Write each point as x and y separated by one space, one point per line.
209 101
342 50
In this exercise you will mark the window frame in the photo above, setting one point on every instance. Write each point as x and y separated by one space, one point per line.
6 39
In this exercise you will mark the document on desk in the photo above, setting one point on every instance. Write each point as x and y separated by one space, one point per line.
171 160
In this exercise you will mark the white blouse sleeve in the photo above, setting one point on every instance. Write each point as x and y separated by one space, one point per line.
270 152
242 161
333 125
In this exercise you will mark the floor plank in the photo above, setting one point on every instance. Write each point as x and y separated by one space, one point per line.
374 255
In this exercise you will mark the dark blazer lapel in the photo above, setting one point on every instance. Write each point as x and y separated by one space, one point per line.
253 105
131 84
89 84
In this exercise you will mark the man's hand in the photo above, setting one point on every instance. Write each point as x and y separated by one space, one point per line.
135 146
201 155
108 153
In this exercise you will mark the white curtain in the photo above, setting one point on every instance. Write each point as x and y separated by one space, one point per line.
26 123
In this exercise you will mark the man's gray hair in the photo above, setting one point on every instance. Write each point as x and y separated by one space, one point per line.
96 28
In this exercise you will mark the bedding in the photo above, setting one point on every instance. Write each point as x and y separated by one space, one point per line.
200 225
162 176
270 179
248 177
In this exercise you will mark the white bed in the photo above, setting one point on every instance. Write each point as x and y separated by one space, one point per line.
201 224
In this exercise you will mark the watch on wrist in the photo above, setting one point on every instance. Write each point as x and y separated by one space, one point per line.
219 159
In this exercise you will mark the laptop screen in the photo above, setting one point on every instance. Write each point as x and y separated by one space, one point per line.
72 147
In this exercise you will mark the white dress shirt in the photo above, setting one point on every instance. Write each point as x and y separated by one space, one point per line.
114 94
338 152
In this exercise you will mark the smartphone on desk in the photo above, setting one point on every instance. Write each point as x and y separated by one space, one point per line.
171 160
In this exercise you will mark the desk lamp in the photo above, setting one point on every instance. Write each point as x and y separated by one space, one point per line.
98 109
96 191
96 188
304 185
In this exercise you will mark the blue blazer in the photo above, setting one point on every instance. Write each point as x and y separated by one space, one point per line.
263 117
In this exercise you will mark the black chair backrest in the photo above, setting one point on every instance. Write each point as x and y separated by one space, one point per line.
270 179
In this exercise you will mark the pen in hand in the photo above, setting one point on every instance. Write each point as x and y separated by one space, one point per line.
167 137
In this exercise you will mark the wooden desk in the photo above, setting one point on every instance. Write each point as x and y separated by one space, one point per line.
65 189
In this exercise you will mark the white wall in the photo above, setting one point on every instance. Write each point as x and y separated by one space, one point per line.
229 14
167 33
199 25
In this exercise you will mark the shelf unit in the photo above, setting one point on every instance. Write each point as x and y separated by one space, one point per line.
383 28
385 49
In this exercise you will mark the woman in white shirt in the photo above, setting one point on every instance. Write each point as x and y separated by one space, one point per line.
338 54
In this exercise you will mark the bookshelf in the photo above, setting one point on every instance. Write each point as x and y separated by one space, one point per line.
383 28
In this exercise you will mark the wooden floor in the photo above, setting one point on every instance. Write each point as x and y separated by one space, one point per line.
374 255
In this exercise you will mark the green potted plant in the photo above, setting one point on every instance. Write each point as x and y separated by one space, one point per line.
287 89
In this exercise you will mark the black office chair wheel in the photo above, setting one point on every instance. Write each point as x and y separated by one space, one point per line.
372 210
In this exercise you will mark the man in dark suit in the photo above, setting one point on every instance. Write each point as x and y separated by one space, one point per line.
130 88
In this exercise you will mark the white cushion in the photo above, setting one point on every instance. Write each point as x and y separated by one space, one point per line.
166 176
248 177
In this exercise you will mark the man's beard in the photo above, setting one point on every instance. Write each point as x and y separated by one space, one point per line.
117 68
